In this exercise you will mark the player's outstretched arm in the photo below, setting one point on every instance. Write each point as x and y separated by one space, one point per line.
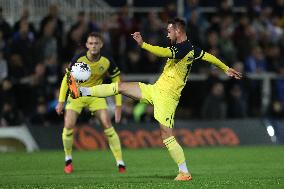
156 50
215 61
62 96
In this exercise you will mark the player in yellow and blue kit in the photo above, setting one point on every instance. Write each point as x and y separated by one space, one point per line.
164 95
100 68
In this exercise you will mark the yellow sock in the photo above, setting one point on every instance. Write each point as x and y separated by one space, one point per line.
175 150
104 90
67 139
114 143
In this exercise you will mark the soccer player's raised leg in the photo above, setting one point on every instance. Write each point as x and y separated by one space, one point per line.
113 139
67 138
176 152
130 89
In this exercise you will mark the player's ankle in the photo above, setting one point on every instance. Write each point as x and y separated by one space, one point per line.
183 168
120 162
68 162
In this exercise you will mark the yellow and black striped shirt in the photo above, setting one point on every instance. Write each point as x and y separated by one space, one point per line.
177 69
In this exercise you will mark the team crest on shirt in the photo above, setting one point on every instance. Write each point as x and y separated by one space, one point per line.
101 69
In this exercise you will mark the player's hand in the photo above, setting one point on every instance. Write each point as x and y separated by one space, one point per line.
138 38
117 114
59 108
233 73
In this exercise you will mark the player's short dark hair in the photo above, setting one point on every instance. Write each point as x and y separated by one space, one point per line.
178 22
96 35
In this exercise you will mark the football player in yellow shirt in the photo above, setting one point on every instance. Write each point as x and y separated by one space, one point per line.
164 95
100 68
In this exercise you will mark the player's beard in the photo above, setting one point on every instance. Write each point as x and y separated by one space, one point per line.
94 54
173 41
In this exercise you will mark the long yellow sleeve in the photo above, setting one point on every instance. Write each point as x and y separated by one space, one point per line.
63 90
118 97
158 51
215 61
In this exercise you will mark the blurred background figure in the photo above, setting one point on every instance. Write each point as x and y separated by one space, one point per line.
215 106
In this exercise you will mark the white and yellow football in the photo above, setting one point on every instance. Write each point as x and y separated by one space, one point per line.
81 72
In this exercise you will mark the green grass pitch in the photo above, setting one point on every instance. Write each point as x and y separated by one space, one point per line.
235 167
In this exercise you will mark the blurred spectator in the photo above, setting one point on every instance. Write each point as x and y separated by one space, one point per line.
255 62
74 42
7 93
244 37
214 106
3 44
226 8
152 27
212 78
114 33
254 8
170 11
247 92
3 67
38 80
194 29
17 69
190 6
5 27
279 87
126 27
134 61
273 58
40 116
92 24
81 22
237 103
228 51
25 17
52 73
106 35
47 44
278 8
266 27
153 64
212 41
20 77
23 43
10 115
59 27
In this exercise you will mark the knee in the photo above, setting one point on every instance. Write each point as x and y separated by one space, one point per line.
166 133
106 123
69 125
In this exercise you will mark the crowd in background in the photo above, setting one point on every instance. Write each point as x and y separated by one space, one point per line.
33 59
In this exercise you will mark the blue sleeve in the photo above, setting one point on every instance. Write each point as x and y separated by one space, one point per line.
198 53
180 50
113 69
